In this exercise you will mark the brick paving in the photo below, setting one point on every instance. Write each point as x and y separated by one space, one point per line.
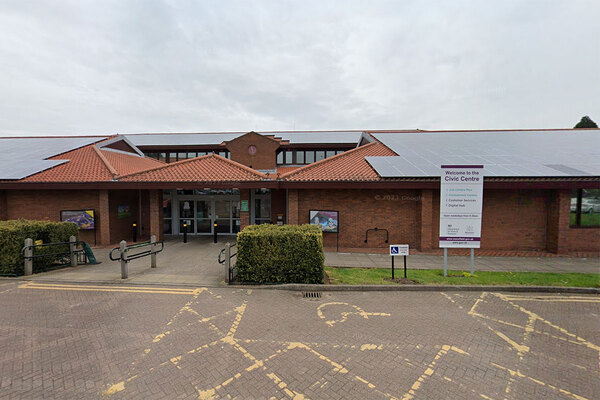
128 342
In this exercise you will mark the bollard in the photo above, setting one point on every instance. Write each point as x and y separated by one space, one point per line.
215 232
184 233
124 264
72 247
28 254
134 228
227 261
152 249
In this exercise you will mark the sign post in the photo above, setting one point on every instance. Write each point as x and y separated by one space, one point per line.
461 201
398 250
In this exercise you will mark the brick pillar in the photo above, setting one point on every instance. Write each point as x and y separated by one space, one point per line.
104 218
557 229
154 212
3 206
293 218
425 219
244 215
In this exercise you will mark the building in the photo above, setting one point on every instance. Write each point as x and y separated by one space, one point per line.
541 187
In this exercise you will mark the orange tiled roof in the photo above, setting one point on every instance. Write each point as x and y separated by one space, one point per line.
126 164
209 168
348 166
285 170
89 164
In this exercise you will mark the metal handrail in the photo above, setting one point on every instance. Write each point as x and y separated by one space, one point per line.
64 253
387 234
223 251
125 257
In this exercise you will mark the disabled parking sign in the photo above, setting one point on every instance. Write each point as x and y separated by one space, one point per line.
398 250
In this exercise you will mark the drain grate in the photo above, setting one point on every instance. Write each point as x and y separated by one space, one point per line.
311 295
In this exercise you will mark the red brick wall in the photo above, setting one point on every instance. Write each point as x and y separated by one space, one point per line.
512 220
3 206
121 228
47 204
584 239
265 157
394 210
278 200
244 215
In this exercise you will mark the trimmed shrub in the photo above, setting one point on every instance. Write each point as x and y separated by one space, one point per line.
280 254
12 239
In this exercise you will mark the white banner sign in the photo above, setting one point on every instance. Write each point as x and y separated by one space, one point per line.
461 201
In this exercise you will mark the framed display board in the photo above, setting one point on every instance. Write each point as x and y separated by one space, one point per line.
328 220
85 219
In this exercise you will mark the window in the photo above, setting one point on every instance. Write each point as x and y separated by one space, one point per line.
330 153
167 224
181 156
172 157
289 157
585 208
162 157
320 155
310 157
191 155
280 158
299 157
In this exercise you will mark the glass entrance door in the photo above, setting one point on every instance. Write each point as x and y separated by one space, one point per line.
186 216
199 215
204 216
223 215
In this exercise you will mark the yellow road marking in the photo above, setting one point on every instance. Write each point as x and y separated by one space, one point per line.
359 311
430 371
519 374
123 289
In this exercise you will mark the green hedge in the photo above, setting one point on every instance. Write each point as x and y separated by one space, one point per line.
280 254
12 239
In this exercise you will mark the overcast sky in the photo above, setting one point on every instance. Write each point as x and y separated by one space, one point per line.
102 67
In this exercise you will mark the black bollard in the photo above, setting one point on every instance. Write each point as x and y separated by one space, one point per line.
215 232
134 229
184 233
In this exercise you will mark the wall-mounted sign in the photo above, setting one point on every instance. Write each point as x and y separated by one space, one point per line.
461 200
83 218
123 211
244 206
398 250
327 220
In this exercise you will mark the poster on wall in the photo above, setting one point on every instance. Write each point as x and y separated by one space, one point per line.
461 200
83 218
327 220
123 211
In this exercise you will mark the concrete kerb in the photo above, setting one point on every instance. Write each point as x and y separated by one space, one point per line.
342 288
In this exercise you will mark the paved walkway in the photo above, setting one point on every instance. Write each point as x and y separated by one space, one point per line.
109 342
194 263
421 261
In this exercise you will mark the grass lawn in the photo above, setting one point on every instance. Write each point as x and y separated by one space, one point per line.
376 276
587 219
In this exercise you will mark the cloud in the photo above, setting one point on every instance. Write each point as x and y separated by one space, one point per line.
148 66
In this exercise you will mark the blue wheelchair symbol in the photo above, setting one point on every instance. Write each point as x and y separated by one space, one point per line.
394 250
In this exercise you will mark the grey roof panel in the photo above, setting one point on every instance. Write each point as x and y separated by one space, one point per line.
503 153
22 157
191 139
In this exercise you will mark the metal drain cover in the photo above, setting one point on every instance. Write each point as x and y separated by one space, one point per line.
311 295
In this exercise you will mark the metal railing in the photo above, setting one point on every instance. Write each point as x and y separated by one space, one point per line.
227 255
150 248
387 234
74 254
